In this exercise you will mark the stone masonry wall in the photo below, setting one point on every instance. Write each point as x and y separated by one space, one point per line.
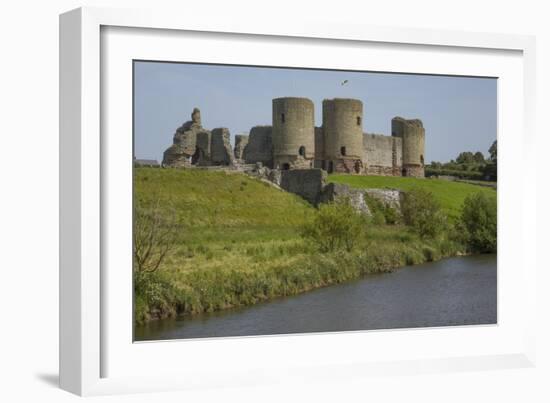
241 140
336 191
382 154
378 150
307 183
259 147
221 153
202 156
348 166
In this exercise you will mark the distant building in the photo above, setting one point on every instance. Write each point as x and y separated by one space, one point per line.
293 142
146 163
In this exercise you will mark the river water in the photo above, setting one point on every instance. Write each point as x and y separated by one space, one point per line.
454 291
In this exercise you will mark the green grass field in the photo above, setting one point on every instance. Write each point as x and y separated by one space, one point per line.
220 212
240 240
450 194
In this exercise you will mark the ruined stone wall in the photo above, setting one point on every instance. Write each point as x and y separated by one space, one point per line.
389 197
259 147
176 156
307 183
319 159
346 166
183 145
337 191
183 151
382 154
412 133
397 155
203 155
241 140
293 132
221 152
378 150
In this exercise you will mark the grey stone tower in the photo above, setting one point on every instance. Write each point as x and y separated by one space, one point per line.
343 135
412 133
293 133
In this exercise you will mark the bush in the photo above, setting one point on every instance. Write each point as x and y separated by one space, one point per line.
153 296
422 213
336 226
461 172
381 212
478 221
391 215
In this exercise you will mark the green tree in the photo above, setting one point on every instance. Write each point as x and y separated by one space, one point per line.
490 170
478 221
422 213
493 152
465 157
479 157
336 226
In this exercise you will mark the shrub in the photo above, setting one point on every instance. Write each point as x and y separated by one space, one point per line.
153 296
459 171
377 217
335 226
391 215
422 213
478 221
381 212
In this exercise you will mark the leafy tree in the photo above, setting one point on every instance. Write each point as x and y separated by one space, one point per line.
478 221
336 226
479 157
490 170
465 157
493 151
422 213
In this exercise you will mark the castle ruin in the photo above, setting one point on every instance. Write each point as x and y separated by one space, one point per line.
293 141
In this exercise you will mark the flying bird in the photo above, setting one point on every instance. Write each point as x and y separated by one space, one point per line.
344 82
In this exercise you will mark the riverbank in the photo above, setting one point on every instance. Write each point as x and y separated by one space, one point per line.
240 244
296 269
450 292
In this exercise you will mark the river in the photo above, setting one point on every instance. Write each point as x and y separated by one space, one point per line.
454 291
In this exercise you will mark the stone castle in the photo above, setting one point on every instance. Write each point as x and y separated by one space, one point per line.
293 141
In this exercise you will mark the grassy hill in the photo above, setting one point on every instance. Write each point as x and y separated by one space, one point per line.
218 208
239 240
449 194
236 232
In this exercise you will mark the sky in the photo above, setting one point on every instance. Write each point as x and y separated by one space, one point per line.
458 113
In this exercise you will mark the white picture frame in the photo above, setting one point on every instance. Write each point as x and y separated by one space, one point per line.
94 359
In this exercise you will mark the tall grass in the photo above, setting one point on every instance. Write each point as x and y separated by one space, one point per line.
241 243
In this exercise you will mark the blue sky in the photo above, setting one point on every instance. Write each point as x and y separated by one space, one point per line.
459 113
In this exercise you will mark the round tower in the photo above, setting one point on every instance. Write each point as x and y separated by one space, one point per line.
293 133
412 133
343 135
